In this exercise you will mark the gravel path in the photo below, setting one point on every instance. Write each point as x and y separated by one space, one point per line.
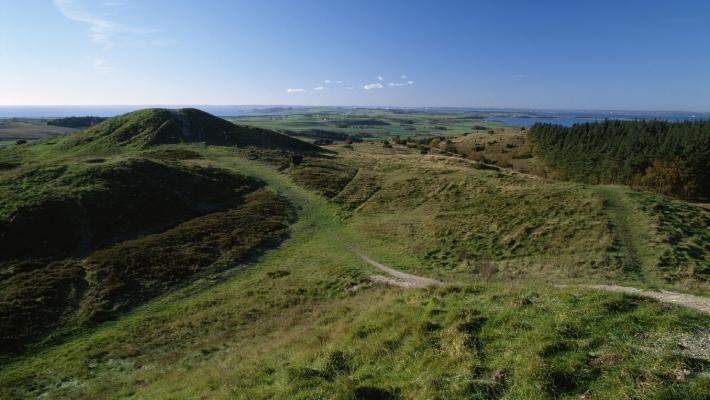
699 303
405 280
397 278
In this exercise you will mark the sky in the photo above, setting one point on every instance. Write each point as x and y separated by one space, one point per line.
593 55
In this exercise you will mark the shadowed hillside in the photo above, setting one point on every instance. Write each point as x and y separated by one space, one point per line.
98 239
99 221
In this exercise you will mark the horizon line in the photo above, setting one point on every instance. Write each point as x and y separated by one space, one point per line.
171 105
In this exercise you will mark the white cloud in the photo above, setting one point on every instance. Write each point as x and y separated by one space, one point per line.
327 81
395 84
379 78
101 65
410 82
339 82
319 88
295 90
404 76
102 30
349 88
370 86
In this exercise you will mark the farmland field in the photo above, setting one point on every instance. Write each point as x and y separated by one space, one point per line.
372 124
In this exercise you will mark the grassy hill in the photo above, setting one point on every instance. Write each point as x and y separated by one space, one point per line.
151 127
143 129
85 242
84 238
184 310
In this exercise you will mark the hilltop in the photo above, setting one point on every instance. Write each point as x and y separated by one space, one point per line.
156 126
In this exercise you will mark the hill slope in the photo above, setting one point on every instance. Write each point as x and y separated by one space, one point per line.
84 241
156 126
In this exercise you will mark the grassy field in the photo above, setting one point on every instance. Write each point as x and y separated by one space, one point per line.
290 325
13 129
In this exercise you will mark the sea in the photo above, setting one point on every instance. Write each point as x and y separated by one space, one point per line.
569 118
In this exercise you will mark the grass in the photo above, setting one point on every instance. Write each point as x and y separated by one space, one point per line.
631 230
134 132
505 147
288 324
85 241
95 203
135 270
442 216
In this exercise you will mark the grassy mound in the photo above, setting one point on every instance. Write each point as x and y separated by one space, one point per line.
141 227
151 127
132 271
34 297
69 210
324 176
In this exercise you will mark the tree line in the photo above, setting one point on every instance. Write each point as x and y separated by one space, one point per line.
667 157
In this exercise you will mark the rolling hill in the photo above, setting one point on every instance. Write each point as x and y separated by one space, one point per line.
151 127
98 221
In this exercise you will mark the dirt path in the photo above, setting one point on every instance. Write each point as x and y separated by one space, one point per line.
402 279
397 278
699 303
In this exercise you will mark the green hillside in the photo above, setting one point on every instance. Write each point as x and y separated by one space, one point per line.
151 127
84 238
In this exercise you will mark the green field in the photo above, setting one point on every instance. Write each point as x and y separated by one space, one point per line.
13 129
372 123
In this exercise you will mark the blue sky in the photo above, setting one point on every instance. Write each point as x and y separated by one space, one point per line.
643 55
